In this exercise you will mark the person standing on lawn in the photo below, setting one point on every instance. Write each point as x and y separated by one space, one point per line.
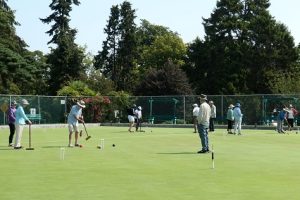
203 123
195 115
11 119
21 119
74 117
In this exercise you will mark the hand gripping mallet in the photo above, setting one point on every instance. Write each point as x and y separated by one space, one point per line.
30 148
87 135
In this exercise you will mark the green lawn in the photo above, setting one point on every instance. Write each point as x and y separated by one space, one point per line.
161 164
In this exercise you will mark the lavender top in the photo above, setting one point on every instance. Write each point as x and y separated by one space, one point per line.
11 115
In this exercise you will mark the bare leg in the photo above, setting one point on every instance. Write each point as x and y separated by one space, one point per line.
70 138
76 137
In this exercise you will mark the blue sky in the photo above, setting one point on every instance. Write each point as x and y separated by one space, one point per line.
90 18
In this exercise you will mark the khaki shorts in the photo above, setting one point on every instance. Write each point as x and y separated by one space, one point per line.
73 127
195 121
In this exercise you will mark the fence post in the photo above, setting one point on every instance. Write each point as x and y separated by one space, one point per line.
184 110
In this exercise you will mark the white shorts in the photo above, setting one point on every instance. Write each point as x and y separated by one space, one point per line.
73 127
130 118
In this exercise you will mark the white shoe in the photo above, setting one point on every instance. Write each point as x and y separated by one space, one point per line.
70 145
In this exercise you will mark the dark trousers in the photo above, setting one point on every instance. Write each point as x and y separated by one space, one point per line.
12 130
138 124
211 124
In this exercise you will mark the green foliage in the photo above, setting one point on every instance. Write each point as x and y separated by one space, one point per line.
243 51
76 89
106 59
169 80
157 45
164 48
117 60
66 61
120 99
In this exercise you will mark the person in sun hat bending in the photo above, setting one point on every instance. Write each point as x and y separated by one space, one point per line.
21 119
203 123
74 117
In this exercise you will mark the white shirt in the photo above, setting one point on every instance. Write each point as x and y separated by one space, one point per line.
138 114
204 114
196 111
213 111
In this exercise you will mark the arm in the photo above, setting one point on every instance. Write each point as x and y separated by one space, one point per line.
22 113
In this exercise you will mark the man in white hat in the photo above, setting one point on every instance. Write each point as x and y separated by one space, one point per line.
74 116
21 119
195 115
203 123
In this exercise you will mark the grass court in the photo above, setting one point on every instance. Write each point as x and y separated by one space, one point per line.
158 164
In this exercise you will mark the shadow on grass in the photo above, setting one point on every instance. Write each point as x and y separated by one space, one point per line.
54 147
176 153
4 148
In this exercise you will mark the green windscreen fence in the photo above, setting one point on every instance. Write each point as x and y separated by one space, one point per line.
257 109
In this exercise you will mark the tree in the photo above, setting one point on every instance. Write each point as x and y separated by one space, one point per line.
18 68
158 44
164 48
244 45
118 58
127 51
169 80
66 59
106 59
76 89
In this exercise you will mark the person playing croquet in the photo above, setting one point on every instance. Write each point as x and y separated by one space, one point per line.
74 117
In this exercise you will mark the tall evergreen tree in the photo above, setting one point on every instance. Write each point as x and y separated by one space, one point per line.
106 59
127 52
66 59
117 60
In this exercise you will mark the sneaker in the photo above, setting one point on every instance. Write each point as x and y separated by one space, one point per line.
20 147
203 151
77 145
11 145
70 145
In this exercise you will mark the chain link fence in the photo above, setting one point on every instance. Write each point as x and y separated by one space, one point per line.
257 109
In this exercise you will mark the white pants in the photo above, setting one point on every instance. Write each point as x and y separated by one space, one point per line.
19 131
237 126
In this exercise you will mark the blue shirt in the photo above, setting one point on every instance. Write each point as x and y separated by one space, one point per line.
237 114
75 111
20 116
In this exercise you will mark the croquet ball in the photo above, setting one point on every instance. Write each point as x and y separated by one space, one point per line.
99 147
80 146
113 145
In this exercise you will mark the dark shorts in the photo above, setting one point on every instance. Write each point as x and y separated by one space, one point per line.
291 122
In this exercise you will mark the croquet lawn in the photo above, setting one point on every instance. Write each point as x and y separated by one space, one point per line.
159 164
